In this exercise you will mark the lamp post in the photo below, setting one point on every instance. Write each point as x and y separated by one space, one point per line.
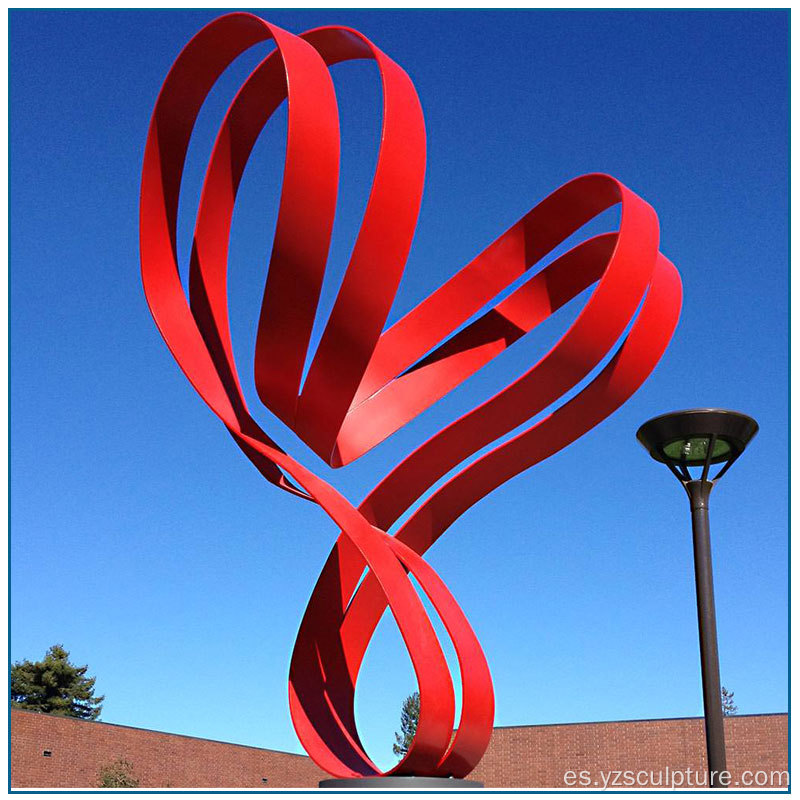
699 438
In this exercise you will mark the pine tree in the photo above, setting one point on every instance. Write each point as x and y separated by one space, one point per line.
54 686
409 717
729 708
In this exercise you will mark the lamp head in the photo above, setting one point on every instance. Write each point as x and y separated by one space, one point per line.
698 437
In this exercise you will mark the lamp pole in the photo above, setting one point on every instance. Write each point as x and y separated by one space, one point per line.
699 492
700 438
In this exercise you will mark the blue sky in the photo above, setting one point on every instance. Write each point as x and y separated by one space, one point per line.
145 542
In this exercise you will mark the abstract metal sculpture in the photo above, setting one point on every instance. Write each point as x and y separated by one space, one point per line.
365 383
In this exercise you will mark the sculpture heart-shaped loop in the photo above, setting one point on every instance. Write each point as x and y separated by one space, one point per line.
364 383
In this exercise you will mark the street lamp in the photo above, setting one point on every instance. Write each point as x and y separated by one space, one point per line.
699 438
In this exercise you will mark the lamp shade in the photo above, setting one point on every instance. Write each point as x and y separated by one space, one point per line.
684 437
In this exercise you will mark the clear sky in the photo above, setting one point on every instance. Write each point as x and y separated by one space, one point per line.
147 544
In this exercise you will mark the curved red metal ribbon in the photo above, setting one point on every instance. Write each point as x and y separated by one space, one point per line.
364 383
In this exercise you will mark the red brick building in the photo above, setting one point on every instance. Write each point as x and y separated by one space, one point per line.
641 751
48 751
78 749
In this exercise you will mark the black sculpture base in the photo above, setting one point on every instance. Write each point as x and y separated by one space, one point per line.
399 782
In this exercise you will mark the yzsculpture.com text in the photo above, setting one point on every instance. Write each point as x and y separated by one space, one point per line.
673 778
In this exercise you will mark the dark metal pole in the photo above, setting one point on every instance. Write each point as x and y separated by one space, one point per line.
698 492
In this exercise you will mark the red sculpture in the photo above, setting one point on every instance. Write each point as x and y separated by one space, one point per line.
365 383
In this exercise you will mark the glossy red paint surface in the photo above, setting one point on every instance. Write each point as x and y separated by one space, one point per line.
365 383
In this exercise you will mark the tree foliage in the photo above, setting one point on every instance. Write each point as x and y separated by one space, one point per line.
409 717
117 775
729 708
54 686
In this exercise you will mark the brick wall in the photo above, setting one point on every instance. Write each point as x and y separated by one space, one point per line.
80 748
540 755
525 756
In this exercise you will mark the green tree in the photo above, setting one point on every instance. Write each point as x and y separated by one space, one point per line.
409 717
117 775
729 708
54 686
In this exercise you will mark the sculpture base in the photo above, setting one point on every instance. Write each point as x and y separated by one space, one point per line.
399 782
